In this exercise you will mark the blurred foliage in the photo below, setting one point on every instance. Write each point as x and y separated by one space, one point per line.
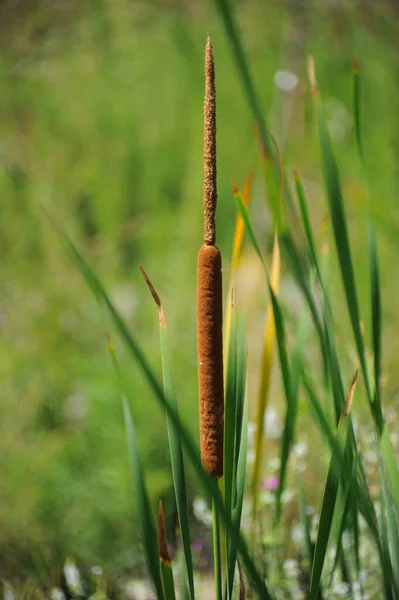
101 122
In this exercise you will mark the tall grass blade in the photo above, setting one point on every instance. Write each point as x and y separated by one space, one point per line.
390 529
266 370
225 9
142 499
240 489
385 443
330 496
191 449
288 437
306 222
175 447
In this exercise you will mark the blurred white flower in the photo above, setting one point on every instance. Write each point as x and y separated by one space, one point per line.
9 593
250 457
341 589
298 534
76 407
96 570
251 432
287 496
274 463
125 300
291 567
273 424
73 578
300 450
267 498
339 119
202 512
286 81
57 594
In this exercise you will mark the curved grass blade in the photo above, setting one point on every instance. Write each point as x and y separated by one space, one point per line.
209 485
330 495
142 499
266 369
305 523
230 25
340 229
175 447
288 437
306 222
164 558
385 443
298 270
390 530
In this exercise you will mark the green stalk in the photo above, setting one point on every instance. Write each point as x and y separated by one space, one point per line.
217 562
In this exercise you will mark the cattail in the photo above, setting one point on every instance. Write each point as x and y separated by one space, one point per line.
209 297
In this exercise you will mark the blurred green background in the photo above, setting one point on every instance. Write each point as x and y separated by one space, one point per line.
101 122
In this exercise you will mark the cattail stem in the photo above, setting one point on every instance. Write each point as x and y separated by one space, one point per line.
209 298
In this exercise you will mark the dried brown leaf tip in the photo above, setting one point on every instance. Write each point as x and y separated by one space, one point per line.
355 66
210 189
155 296
162 540
349 395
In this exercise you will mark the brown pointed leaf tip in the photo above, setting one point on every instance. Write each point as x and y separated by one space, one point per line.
155 296
162 540
355 65
349 395
210 190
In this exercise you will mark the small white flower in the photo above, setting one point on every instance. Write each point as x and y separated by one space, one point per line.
96 570
267 498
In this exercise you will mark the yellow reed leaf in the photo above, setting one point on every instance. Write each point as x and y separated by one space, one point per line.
266 369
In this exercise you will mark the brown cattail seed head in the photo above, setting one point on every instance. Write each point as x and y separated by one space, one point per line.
210 191
210 358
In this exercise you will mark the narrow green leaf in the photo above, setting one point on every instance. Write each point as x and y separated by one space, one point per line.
306 222
175 446
217 559
330 497
142 499
305 523
143 504
240 489
336 204
288 436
